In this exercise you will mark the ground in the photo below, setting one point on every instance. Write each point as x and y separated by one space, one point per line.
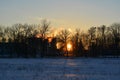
60 69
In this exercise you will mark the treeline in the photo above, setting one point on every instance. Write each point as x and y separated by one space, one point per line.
23 40
31 41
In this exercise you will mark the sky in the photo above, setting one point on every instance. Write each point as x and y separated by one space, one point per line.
81 14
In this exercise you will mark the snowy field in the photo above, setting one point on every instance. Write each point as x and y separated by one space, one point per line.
60 69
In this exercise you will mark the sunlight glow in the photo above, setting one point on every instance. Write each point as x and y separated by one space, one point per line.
69 46
38 35
70 30
58 45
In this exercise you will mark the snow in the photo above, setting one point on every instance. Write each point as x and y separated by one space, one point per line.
60 69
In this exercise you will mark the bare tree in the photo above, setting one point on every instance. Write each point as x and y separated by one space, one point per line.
44 28
1 33
115 30
77 41
101 33
63 37
92 34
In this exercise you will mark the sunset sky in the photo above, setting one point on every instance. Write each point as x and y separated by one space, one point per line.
61 13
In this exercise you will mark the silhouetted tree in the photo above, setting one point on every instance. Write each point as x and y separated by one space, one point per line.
63 37
24 40
115 30
77 43
43 30
101 35
101 39
1 33
92 38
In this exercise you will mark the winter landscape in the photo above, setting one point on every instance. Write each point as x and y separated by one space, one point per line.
60 69
59 39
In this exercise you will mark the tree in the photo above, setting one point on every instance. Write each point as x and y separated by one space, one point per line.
63 37
43 30
1 33
19 34
78 45
101 35
92 33
115 30
92 39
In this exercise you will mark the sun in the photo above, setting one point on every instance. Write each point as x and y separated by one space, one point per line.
69 46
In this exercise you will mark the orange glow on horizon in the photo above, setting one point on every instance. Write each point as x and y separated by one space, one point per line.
50 39
69 46
38 35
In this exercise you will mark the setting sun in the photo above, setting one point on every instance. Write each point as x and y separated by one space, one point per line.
69 46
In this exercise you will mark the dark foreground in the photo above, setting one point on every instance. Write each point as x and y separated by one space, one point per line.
60 69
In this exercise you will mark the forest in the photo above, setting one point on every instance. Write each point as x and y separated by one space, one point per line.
38 41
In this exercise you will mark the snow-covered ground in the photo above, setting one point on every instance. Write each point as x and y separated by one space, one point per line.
60 69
